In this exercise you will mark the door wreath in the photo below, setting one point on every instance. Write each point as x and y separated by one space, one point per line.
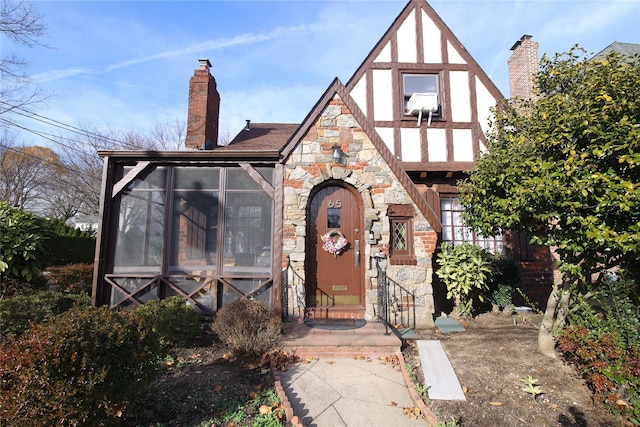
334 242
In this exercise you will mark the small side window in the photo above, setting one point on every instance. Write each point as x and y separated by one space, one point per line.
401 239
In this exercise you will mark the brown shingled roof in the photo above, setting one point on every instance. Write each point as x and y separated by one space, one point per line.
262 136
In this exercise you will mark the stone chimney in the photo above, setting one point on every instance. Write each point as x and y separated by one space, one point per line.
204 110
523 67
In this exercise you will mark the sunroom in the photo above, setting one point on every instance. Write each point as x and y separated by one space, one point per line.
198 224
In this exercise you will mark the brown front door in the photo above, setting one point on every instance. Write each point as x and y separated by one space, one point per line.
334 279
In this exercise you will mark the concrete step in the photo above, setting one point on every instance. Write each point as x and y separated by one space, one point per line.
370 340
334 312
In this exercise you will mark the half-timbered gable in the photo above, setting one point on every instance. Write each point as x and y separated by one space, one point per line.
425 95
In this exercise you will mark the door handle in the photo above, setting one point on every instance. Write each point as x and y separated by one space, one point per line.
357 253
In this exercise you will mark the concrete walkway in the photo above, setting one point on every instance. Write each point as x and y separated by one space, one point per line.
349 392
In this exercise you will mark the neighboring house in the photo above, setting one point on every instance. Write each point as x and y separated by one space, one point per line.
625 49
374 162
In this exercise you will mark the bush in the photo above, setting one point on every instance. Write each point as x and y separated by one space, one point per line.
603 341
504 282
248 328
466 270
63 250
74 278
84 367
12 286
174 322
17 313
23 238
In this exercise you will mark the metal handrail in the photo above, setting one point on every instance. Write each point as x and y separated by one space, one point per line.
393 297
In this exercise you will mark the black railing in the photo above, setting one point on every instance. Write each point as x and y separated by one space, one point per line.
402 305
292 280
383 295
396 304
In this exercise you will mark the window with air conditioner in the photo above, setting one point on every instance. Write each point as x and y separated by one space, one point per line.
421 95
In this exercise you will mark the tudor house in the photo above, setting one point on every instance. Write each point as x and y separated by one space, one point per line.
302 216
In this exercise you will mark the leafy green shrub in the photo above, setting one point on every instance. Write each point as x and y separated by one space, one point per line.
603 341
17 313
23 238
73 278
248 328
84 367
504 282
175 322
465 269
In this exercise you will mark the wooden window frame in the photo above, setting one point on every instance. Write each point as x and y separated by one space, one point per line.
401 215
438 115
497 243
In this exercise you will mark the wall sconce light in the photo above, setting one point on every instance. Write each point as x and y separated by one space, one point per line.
336 153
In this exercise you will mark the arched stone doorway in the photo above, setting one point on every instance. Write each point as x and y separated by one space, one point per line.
335 280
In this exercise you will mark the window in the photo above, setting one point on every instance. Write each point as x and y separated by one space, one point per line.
401 239
419 83
195 217
454 230
248 223
140 233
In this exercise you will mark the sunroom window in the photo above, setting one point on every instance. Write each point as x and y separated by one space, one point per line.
195 218
140 234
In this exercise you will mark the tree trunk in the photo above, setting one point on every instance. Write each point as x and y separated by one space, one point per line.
546 343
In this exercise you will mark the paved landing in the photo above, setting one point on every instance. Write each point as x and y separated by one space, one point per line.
447 324
440 378
346 392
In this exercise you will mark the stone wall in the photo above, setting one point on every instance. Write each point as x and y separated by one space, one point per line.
311 164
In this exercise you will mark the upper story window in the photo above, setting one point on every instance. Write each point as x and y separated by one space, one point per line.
423 84
454 231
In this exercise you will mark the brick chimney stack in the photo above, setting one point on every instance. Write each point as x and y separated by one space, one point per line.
523 66
204 110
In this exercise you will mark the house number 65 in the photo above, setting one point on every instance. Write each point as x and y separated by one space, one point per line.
337 204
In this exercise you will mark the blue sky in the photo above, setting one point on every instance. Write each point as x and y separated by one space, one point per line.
127 64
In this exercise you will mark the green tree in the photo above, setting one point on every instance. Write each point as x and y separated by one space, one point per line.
564 168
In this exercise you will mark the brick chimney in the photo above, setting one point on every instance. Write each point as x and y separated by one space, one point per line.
523 66
204 109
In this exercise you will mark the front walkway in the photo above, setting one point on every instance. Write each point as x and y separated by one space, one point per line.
347 392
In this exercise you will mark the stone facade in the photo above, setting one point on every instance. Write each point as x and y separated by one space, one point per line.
362 167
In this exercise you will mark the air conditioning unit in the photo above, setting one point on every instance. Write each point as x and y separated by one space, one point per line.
420 103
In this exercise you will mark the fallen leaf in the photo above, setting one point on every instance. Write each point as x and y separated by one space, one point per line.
394 403
264 410
467 389
329 362
218 388
621 403
412 412
253 395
